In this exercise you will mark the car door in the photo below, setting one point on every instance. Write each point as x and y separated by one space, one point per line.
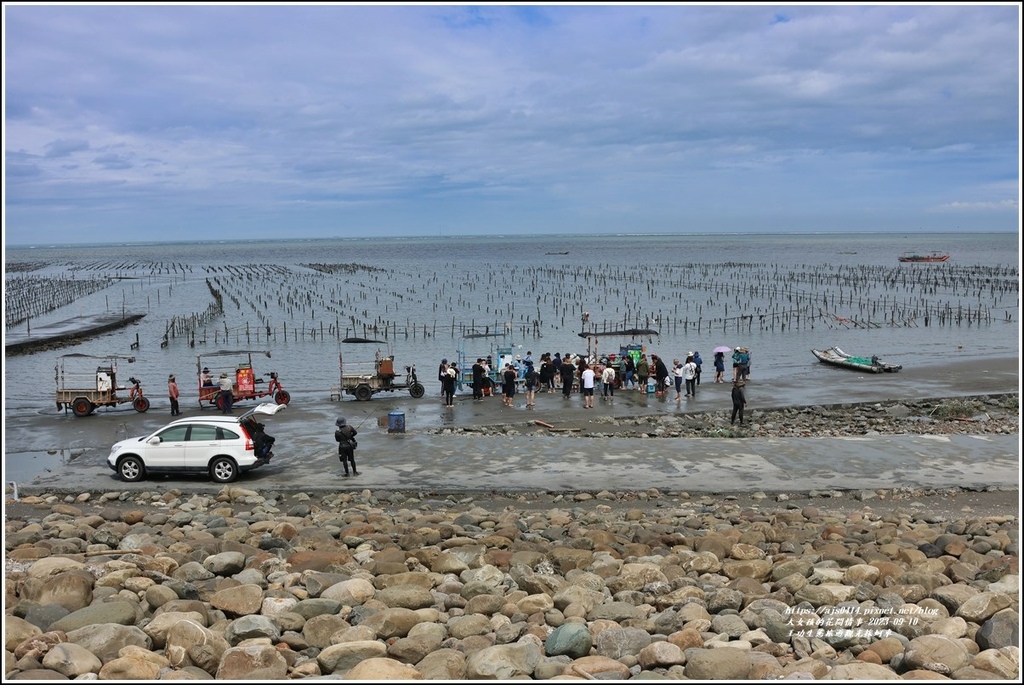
166 449
206 441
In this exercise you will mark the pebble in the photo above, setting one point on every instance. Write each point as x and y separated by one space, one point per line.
388 585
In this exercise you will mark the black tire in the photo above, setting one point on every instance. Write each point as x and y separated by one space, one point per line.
416 390
131 469
223 470
219 402
82 407
363 393
141 404
282 397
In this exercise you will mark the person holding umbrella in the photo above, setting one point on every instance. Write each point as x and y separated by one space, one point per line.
720 363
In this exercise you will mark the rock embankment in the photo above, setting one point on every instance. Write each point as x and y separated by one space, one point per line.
387 586
974 415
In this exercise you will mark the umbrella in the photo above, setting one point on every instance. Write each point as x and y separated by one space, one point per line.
722 348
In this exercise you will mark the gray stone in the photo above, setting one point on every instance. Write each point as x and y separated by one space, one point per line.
122 613
249 627
570 639
1002 630
717 664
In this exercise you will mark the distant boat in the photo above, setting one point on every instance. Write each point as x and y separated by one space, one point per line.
836 357
929 257
566 252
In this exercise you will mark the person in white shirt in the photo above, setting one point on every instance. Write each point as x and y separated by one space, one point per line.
608 379
677 377
587 385
690 376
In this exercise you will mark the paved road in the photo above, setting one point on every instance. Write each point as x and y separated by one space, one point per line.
67 454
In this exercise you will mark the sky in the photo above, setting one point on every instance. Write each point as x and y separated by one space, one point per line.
156 121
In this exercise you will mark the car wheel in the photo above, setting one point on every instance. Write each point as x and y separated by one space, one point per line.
141 404
131 469
282 397
223 469
363 393
416 390
81 407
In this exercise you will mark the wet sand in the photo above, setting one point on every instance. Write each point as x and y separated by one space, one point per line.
58 453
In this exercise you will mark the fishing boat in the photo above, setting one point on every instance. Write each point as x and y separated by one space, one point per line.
836 357
930 257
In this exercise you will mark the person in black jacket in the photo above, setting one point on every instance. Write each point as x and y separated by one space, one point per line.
346 437
567 372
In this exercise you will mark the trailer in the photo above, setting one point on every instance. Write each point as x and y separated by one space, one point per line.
364 379
244 380
83 388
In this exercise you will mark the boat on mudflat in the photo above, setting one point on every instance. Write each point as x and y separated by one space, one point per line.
928 257
836 357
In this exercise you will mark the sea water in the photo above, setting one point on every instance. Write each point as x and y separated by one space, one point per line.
780 295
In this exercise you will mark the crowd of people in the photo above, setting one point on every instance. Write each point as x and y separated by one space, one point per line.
590 376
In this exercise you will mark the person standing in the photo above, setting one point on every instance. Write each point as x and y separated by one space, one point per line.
719 367
346 437
556 370
448 384
643 372
739 401
530 382
690 377
567 372
545 373
608 380
677 377
699 362
629 370
478 379
660 374
508 385
172 394
442 368
226 393
587 385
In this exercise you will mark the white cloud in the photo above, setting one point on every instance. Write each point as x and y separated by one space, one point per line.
500 113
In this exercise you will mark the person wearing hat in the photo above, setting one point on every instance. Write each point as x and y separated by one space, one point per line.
204 377
739 400
346 437
172 393
226 395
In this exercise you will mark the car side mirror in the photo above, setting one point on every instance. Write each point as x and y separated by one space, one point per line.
155 440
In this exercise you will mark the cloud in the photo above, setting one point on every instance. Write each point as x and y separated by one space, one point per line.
65 148
1001 205
392 117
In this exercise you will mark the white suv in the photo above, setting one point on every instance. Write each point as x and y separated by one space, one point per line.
222 446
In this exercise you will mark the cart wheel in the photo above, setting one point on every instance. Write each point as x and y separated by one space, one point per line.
82 407
219 402
141 404
223 469
416 390
282 397
363 393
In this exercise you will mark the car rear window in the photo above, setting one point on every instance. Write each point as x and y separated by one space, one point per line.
225 434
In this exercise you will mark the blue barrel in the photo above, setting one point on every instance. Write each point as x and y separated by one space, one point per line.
396 422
